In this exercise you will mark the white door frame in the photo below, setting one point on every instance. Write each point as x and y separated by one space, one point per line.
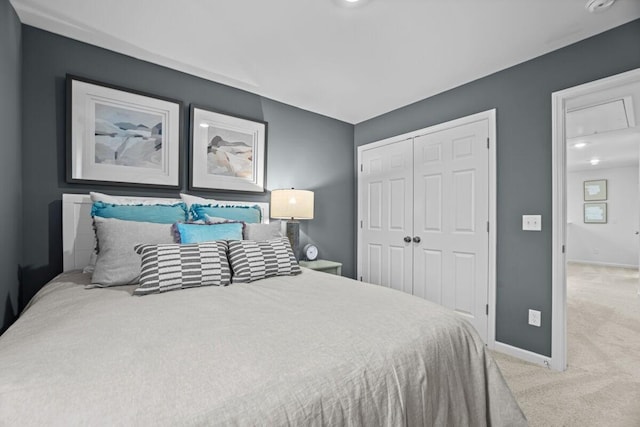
490 116
559 206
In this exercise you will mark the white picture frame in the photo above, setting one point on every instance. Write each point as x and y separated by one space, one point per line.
595 190
117 135
227 153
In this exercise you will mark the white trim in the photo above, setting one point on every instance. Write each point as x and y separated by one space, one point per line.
484 115
525 355
490 116
603 264
78 237
493 228
559 208
558 237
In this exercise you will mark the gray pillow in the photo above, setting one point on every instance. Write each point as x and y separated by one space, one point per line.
254 260
174 266
117 262
262 231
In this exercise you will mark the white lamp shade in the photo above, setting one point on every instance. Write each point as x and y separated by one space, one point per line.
296 204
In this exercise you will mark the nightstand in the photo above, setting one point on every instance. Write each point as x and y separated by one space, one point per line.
323 265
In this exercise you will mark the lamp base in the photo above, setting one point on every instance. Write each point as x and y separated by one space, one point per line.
293 234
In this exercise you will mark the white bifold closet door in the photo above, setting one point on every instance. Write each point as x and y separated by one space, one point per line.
425 212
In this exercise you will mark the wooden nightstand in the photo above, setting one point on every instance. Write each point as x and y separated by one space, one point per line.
323 265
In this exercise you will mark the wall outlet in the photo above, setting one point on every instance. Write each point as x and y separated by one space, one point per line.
534 318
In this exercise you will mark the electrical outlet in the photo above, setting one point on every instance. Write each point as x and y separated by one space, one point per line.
534 318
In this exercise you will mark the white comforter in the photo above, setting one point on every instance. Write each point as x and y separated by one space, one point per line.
315 349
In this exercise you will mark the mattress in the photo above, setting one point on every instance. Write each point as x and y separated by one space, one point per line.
313 349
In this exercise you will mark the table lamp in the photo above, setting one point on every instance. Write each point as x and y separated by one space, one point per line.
292 205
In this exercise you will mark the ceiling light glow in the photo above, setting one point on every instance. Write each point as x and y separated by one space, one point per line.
204 125
594 162
579 145
351 3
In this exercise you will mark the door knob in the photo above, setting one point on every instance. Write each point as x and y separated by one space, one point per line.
407 239
417 239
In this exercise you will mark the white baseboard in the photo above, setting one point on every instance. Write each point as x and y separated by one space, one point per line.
604 264
525 355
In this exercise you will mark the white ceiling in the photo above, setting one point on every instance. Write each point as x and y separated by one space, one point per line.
614 148
349 63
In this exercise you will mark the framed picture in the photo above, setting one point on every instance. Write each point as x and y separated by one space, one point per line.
117 135
227 152
595 190
595 213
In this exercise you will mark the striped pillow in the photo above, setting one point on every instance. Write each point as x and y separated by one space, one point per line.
251 260
166 267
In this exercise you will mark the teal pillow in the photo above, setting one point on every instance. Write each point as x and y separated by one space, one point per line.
160 214
196 233
248 214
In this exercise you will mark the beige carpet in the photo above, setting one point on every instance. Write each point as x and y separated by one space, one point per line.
602 384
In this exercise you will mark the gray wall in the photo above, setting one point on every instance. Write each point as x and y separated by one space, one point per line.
11 188
522 96
304 150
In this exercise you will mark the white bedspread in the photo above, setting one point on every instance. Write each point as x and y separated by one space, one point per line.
315 349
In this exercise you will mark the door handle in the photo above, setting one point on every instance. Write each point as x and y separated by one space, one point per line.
417 239
407 239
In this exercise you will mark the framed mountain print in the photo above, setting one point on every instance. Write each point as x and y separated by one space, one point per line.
227 152
117 135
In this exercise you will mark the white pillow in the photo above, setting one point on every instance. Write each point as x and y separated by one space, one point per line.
124 200
189 200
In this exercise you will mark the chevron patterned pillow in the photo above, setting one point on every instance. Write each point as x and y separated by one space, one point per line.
166 267
254 260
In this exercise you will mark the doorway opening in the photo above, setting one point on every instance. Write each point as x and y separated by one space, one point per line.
596 193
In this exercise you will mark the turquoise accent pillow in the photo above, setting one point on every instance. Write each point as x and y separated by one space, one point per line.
160 214
248 214
196 233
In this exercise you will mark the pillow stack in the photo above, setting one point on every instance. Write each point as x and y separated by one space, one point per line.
169 244
121 223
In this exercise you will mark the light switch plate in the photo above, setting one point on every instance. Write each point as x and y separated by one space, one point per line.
532 222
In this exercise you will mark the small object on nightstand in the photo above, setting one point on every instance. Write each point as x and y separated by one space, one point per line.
323 265
310 252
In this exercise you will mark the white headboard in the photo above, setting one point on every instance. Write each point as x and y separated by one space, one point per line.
78 237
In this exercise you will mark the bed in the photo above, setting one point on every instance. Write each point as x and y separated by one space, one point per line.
304 349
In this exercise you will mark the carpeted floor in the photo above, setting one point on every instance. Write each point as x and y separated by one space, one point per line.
601 387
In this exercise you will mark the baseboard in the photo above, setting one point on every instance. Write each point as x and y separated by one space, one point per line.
604 264
525 355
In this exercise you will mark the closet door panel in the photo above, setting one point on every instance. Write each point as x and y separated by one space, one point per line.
385 183
451 198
